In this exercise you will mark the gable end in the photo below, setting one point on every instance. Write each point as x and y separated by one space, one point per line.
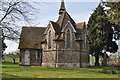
49 25
70 26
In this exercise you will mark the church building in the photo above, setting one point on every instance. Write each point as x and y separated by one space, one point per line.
62 43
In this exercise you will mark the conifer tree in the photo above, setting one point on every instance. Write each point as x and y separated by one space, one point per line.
113 12
100 33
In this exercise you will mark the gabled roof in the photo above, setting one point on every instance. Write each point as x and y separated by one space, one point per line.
56 27
64 18
68 25
80 27
31 37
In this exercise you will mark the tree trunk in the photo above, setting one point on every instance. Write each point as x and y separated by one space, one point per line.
14 61
3 59
105 59
97 60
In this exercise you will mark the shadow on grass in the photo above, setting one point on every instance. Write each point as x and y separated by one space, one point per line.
5 75
102 67
9 63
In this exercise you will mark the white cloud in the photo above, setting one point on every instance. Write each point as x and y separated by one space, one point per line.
11 46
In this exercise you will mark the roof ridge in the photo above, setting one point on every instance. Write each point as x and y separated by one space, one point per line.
63 18
80 22
53 21
32 27
70 17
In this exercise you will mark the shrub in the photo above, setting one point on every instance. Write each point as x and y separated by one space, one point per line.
109 71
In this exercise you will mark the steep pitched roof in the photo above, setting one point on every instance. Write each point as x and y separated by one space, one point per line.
31 37
64 18
56 27
80 26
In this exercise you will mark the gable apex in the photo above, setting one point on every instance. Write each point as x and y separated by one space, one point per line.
70 26
55 27
48 26
64 18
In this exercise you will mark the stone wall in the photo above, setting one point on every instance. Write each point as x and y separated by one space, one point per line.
49 58
85 59
34 61
65 58
60 56
68 58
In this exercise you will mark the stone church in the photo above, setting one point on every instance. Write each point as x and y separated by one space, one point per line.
62 43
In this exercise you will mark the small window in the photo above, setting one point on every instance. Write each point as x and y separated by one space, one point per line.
38 54
68 39
50 40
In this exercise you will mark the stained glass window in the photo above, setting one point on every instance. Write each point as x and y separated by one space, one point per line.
50 40
68 39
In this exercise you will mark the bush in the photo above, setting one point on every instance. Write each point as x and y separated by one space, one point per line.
108 71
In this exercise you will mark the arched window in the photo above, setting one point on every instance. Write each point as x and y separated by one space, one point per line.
50 40
68 40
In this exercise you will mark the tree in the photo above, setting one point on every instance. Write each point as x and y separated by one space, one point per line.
2 44
14 56
100 33
12 12
113 12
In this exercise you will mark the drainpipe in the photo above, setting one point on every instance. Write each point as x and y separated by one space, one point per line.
80 52
56 56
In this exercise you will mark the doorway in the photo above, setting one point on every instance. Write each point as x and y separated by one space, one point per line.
27 58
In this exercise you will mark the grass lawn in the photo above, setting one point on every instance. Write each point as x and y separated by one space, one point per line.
8 59
16 71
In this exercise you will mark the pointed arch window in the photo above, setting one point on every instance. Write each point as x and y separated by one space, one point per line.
50 40
68 39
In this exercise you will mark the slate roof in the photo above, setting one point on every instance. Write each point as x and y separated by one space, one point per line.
56 27
80 26
62 21
64 18
31 37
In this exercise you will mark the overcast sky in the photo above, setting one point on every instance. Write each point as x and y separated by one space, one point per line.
79 11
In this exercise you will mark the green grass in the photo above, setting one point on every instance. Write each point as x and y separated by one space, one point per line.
8 59
16 71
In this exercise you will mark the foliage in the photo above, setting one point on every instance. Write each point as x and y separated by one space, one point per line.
13 55
100 33
95 28
10 60
109 71
113 12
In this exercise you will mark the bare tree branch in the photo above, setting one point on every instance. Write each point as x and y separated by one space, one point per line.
13 12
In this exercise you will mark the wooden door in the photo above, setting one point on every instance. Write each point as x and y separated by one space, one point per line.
27 58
